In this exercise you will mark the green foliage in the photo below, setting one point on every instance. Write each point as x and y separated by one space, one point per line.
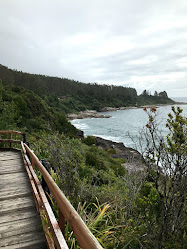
148 202
71 96
177 138
23 110
89 140
166 159
93 160
97 218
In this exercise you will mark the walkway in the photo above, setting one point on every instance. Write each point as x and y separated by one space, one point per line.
20 223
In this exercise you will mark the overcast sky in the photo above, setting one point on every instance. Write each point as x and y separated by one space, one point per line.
136 43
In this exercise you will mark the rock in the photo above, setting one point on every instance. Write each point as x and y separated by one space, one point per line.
79 134
109 109
133 157
86 114
134 167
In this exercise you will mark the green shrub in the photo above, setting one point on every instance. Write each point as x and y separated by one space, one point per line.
93 160
89 140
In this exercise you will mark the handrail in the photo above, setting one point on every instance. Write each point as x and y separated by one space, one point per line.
66 211
11 131
10 139
83 235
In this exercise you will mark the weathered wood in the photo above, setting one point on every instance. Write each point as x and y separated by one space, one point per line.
15 193
61 221
23 237
7 169
38 202
10 137
20 224
32 244
55 229
10 141
5 157
19 215
11 156
14 179
19 203
10 131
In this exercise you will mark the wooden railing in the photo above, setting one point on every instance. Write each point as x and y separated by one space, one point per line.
10 140
67 212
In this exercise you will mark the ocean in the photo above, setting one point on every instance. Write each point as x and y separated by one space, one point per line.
121 123
180 99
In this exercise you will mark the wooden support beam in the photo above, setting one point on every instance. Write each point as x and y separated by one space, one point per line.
10 141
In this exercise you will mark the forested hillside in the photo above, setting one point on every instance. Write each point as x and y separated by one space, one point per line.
24 110
71 96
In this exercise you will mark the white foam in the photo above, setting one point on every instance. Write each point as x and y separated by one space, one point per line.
79 125
114 139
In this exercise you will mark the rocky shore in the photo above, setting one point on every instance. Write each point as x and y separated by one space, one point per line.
86 114
133 157
95 114
110 109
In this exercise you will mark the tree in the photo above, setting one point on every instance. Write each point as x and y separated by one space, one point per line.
163 94
166 159
145 93
156 93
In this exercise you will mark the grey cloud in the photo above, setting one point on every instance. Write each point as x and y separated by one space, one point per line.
40 37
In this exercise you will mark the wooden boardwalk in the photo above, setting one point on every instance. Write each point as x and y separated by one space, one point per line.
20 223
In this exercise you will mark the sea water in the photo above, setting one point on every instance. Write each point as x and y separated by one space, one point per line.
123 122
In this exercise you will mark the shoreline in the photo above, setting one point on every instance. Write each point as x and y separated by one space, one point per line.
134 160
98 114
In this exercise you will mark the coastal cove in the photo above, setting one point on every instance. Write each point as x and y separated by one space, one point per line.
122 122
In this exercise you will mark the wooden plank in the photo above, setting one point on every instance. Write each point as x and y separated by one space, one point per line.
34 244
4 157
13 185
13 177
20 224
7 206
15 193
10 171
9 157
18 227
8 151
24 237
13 164
7 169
4 185
19 215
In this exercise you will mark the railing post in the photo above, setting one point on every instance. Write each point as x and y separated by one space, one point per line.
24 138
32 162
61 221
10 137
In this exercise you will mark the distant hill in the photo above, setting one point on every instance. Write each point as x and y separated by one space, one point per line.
71 96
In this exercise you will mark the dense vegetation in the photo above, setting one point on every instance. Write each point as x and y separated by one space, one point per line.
24 110
122 209
71 96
